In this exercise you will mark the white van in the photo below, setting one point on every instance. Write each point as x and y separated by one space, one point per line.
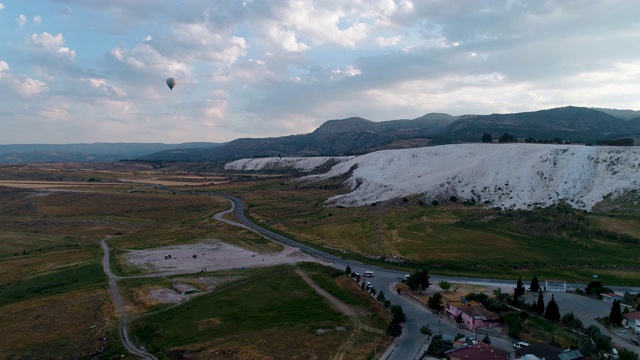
520 345
368 273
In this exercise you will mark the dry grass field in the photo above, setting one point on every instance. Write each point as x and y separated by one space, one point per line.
53 291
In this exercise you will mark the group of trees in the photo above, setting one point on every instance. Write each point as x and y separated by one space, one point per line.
504 138
398 317
508 138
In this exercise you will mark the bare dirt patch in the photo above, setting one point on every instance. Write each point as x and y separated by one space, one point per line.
209 256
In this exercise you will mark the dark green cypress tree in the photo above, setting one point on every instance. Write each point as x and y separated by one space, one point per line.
519 290
535 285
615 315
540 304
552 312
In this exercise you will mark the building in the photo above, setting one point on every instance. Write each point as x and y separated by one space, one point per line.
480 351
611 297
571 355
633 321
473 315
540 351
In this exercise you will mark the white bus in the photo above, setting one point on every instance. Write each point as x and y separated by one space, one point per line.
368 274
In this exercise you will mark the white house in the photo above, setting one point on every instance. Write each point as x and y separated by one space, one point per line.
633 321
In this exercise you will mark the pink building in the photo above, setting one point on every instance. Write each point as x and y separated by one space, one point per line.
473 315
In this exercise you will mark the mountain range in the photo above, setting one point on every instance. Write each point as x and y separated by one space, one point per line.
355 136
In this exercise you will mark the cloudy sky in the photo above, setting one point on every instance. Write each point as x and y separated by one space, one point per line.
82 71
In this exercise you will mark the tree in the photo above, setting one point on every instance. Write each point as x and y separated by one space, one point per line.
570 320
398 313
419 279
615 315
486 138
535 285
626 354
439 346
518 291
444 285
395 326
381 298
552 312
394 329
435 302
486 340
505 138
459 318
426 330
593 288
348 270
540 303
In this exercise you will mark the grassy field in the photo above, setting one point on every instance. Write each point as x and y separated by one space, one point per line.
51 222
50 257
271 315
454 239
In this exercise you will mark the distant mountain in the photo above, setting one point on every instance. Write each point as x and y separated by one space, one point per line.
30 153
575 124
622 114
355 136
335 137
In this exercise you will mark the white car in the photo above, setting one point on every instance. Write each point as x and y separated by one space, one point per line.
520 345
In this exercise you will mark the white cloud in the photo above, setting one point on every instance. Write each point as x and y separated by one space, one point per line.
197 42
346 72
37 20
215 109
52 43
30 87
1 6
3 67
55 111
146 59
324 22
285 39
394 40
147 38
22 20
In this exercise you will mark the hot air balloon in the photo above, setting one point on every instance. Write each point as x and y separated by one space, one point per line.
171 82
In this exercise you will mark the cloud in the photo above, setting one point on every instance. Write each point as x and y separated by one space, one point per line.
30 87
37 20
52 44
1 6
3 67
199 42
394 40
22 20
285 39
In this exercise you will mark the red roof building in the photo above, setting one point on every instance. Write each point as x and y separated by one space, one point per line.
480 351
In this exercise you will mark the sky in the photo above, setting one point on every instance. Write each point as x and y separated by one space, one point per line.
84 71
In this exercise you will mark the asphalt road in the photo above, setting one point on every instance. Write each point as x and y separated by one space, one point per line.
411 342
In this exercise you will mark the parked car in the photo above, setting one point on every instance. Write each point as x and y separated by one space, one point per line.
520 345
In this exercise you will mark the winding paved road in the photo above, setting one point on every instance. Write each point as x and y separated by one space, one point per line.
407 346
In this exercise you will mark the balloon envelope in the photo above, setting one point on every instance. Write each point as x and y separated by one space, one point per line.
171 82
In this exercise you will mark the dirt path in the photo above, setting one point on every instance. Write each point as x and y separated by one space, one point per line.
340 306
117 299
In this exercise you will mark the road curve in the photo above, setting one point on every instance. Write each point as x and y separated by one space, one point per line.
410 343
